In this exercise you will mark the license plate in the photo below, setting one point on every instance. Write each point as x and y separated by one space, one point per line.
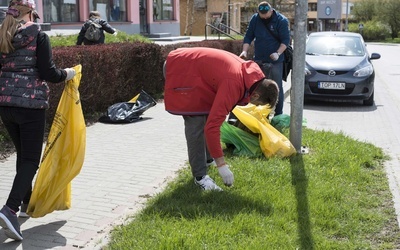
332 85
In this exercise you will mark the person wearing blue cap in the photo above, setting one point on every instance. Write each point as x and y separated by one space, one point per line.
270 31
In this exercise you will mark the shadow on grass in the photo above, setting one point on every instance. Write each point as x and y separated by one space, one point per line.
188 201
300 182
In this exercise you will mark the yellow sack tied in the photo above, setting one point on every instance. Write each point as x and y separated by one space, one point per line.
272 142
63 155
134 99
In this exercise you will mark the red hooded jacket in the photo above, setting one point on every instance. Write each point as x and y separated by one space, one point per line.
207 81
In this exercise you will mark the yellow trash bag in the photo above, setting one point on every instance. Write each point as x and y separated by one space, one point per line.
272 142
63 155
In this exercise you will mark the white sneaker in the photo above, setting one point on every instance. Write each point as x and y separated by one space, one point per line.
211 163
207 184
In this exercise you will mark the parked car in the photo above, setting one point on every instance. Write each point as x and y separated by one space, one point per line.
339 68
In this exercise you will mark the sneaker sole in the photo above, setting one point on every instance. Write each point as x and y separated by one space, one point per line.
9 228
23 215
203 188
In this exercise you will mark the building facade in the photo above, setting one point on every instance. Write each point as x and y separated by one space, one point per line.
196 14
329 15
322 15
185 17
131 16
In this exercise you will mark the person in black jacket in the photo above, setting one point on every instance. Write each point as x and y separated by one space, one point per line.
94 16
26 65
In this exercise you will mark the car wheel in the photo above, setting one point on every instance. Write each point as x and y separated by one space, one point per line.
369 101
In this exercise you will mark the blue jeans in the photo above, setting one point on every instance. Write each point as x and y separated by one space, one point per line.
274 71
26 129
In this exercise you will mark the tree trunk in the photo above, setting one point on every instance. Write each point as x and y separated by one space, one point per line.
192 20
187 16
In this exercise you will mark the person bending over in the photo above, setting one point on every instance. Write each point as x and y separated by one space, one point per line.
203 85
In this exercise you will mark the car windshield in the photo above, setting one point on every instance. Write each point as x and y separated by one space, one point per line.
338 46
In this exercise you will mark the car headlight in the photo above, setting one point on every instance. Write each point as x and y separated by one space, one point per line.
366 71
307 72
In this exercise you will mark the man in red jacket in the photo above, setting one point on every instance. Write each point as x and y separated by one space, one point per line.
204 85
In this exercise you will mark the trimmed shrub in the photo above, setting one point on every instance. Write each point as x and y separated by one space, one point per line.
111 73
373 30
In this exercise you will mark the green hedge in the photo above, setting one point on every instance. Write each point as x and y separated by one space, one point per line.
110 73
372 31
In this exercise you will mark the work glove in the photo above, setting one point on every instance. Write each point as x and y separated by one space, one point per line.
226 174
70 73
243 55
274 56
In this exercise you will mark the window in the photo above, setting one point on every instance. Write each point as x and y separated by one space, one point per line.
3 9
312 7
110 10
163 10
56 11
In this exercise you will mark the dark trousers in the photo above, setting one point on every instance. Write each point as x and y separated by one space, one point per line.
26 129
274 71
196 144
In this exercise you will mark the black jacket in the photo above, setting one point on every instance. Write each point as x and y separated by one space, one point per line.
24 72
105 26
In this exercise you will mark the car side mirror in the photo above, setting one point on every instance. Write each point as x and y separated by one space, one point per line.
375 56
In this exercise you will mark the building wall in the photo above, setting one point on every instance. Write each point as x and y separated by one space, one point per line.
165 26
315 24
133 23
215 8
194 19
190 16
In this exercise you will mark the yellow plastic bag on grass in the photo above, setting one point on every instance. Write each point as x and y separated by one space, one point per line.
64 153
272 142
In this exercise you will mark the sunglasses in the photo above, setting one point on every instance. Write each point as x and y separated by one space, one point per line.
264 8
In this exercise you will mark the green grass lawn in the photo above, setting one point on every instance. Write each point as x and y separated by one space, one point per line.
335 197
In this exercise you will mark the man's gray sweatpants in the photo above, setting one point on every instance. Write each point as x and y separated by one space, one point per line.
196 144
